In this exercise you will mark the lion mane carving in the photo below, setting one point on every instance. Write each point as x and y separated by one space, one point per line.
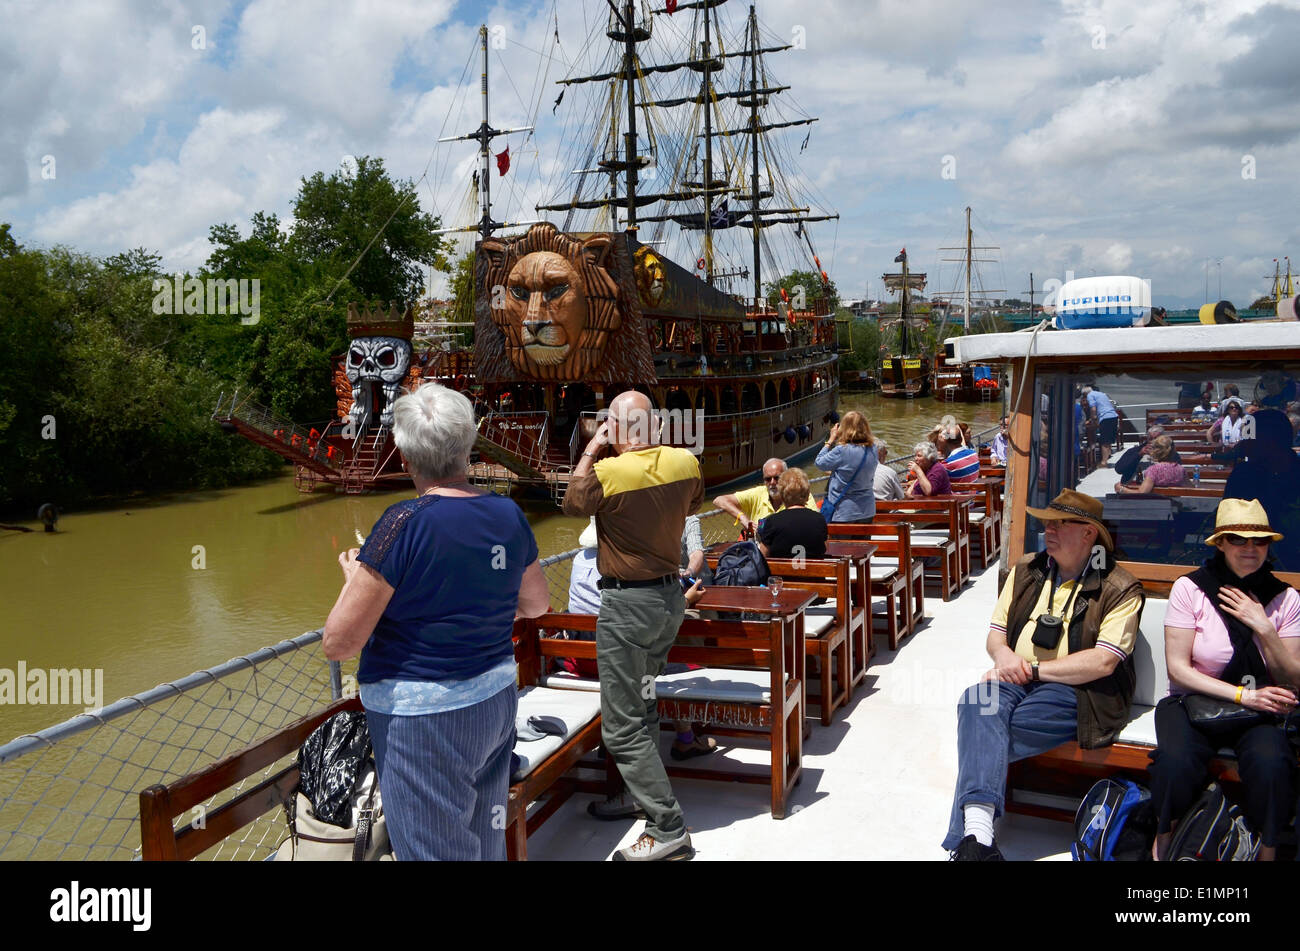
554 300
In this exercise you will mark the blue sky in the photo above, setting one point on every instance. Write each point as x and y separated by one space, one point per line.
1114 136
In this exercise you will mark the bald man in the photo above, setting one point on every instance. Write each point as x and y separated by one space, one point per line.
751 506
641 497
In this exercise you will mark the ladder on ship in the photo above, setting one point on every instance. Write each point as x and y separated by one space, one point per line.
366 460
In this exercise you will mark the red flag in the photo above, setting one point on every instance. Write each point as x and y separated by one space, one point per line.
503 161
670 6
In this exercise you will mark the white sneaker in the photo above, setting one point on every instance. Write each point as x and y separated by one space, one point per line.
649 849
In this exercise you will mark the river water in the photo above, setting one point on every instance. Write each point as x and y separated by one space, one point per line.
156 589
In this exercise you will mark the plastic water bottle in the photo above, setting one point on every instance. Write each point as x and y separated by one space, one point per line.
1196 476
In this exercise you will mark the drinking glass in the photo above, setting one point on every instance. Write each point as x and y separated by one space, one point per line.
774 585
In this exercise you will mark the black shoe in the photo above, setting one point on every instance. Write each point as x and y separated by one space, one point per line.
970 850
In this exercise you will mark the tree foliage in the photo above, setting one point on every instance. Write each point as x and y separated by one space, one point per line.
103 395
809 284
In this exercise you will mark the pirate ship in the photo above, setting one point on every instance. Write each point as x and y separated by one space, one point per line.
567 317
903 373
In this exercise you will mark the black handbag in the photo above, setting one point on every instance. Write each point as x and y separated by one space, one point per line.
1220 716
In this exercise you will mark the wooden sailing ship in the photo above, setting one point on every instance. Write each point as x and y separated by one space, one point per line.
567 317
906 372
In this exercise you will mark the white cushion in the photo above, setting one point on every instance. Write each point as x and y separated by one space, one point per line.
707 683
717 683
976 517
1141 726
576 708
815 625
1149 656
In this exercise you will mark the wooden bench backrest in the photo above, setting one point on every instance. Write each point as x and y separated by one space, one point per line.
892 541
161 804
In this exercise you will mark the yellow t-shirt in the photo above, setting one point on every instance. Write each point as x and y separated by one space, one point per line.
1118 632
756 503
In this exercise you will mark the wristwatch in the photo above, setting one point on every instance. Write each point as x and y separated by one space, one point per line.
1034 667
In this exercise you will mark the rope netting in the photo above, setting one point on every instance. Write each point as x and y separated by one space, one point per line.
72 791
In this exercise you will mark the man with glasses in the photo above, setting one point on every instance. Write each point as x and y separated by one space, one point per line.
1061 639
751 506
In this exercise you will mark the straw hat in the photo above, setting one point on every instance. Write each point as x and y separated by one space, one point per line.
588 537
1071 505
1241 517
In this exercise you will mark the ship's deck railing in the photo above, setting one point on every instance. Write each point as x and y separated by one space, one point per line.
72 791
262 418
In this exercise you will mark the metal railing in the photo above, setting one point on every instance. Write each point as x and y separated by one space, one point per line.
261 418
72 791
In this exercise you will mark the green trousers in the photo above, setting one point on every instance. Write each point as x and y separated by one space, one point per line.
634 631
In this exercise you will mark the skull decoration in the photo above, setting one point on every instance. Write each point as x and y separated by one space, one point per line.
376 360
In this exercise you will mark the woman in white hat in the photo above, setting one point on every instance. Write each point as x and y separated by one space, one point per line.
1232 633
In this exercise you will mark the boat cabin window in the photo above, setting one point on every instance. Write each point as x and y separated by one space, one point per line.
1160 448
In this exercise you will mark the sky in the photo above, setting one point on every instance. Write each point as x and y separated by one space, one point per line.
1143 137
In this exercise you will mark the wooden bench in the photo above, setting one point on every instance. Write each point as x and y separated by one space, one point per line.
901 584
940 529
750 685
545 773
828 629
985 517
162 803
541 775
1070 771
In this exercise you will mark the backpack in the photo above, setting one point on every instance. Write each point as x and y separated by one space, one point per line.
1116 822
1213 831
742 564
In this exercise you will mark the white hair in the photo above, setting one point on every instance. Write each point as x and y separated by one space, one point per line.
434 428
927 451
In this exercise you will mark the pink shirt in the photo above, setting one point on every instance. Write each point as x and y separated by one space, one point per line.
1212 649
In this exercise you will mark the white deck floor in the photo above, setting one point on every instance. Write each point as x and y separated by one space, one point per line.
877 783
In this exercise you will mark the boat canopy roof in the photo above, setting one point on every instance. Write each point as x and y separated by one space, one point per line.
1181 339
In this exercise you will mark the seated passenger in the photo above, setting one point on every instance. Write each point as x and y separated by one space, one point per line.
1162 471
961 461
929 475
796 531
751 506
1070 678
1230 623
1226 430
885 483
998 451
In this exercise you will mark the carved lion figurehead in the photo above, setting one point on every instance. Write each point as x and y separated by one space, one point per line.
553 300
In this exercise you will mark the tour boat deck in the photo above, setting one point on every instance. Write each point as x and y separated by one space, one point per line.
877 783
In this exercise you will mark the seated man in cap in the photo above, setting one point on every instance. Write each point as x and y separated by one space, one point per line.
1061 639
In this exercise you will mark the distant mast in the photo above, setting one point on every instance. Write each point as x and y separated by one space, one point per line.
484 136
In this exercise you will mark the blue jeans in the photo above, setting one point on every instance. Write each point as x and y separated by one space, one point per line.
998 723
444 778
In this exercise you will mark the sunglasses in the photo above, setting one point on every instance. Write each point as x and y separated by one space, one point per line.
771 478
1238 541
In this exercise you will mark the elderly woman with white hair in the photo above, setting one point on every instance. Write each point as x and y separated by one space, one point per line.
429 601
928 473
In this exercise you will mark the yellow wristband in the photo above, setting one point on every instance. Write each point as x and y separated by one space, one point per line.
1239 691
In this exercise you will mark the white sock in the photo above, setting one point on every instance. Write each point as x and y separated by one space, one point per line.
979 821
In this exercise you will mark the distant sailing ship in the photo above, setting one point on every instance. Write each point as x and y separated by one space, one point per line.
905 374
566 318
965 382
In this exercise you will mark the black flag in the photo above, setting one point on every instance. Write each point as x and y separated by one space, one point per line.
902 256
557 102
805 140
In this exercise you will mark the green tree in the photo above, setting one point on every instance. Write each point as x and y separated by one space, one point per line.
807 283
338 217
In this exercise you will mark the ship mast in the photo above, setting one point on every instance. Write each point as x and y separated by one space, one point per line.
968 262
753 146
484 136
